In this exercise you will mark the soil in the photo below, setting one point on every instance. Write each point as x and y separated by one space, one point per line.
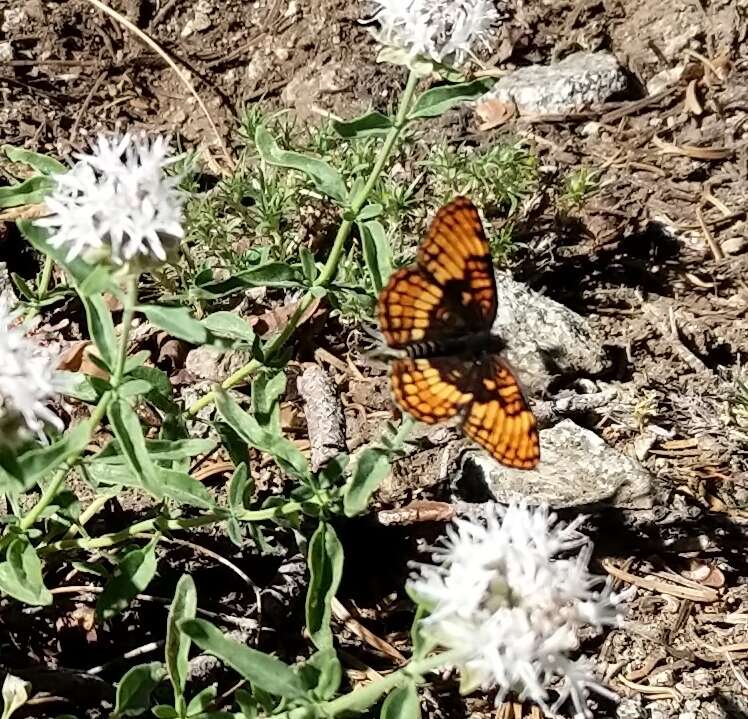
656 260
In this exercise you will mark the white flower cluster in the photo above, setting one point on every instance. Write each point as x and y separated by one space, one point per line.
117 201
446 31
27 383
503 599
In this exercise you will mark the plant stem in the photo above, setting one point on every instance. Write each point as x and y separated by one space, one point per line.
151 525
362 698
51 490
131 298
331 266
41 290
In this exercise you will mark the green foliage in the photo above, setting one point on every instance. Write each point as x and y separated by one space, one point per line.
325 212
579 185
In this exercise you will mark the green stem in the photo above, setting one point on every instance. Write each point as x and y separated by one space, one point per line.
43 286
131 298
51 490
331 266
362 698
151 525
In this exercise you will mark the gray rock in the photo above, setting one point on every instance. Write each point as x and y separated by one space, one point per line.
576 468
576 83
543 337
209 363
630 708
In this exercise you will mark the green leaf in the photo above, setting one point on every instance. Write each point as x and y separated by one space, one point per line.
438 100
41 163
134 388
177 647
377 253
241 487
129 434
131 576
159 450
29 192
325 178
101 328
308 265
23 287
15 694
260 669
164 711
325 560
135 688
402 703
21 574
263 432
80 271
372 124
372 466
420 641
322 674
271 274
369 212
229 324
37 463
177 321
202 700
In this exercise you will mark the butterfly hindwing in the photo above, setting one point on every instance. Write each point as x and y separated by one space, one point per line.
498 417
432 390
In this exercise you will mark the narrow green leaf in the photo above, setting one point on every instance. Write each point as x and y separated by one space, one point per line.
21 574
202 700
322 674
377 253
41 163
325 560
79 270
177 647
402 703
372 124
438 100
261 670
132 575
229 324
28 192
23 287
240 488
159 450
372 466
177 321
271 274
264 433
369 212
325 178
135 688
39 462
129 434
101 328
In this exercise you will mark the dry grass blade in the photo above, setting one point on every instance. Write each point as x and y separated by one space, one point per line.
167 59
695 153
651 692
352 624
704 595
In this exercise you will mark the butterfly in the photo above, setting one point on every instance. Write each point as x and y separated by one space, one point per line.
438 313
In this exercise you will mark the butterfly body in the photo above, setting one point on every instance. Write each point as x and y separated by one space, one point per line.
439 314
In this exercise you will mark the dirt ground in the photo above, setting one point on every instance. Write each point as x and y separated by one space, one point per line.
656 260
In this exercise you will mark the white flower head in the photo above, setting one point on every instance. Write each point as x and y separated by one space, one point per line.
446 31
117 201
503 599
27 383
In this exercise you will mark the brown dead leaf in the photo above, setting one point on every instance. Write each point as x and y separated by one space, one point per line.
77 358
494 112
691 102
24 212
82 618
274 320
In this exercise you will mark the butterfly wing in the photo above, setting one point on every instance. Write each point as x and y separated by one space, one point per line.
456 254
432 390
498 417
450 291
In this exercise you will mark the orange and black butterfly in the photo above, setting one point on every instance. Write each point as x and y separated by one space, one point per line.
439 313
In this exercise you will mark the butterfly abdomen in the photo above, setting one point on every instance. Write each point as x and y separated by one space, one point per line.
470 346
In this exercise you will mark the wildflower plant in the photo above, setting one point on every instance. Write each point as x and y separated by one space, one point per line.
119 214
